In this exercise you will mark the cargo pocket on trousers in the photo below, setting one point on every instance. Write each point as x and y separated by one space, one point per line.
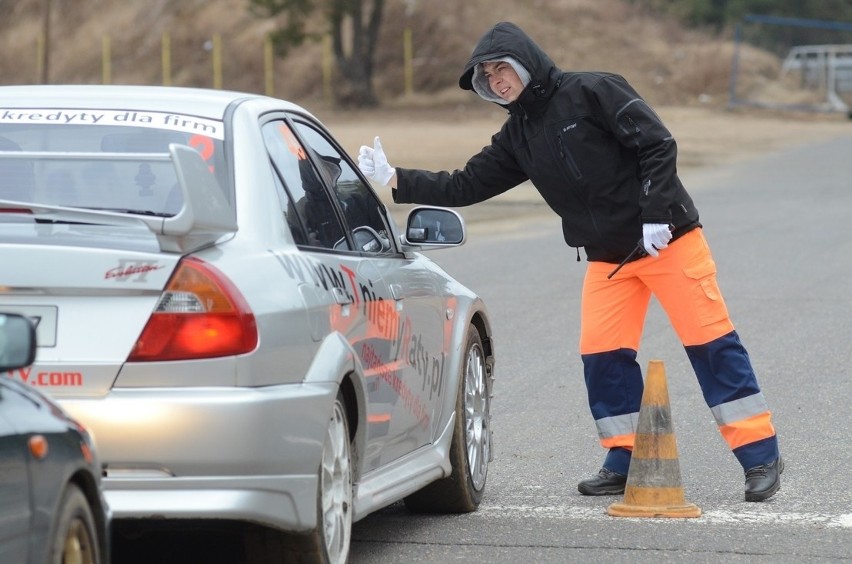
709 305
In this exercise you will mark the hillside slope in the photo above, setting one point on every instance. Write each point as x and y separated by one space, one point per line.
668 64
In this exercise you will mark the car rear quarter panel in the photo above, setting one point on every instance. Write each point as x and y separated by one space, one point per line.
285 348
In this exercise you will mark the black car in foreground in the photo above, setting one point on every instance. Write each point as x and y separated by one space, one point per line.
51 506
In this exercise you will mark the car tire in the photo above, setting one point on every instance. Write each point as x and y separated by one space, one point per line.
462 491
329 542
334 528
73 537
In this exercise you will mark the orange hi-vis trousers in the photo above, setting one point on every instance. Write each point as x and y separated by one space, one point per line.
683 280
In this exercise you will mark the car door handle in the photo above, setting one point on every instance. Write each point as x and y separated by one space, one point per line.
340 296
396 291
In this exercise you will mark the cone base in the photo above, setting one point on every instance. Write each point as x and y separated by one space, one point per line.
686 510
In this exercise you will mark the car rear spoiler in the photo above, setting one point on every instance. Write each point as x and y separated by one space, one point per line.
206 214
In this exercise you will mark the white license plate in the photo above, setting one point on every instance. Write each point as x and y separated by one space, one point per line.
44 319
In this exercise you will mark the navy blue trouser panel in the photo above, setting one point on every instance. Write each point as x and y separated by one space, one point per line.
723 369
614 382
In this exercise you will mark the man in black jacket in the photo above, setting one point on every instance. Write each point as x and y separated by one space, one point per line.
603 160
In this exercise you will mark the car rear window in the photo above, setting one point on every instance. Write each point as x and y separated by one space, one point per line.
105 160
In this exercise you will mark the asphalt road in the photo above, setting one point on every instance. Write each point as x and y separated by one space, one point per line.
780 232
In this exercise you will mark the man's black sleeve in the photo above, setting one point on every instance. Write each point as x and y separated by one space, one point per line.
492 171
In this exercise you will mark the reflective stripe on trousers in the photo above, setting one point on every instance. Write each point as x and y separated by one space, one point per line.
683 279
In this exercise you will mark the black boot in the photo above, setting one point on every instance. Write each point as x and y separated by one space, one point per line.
605 482
764 480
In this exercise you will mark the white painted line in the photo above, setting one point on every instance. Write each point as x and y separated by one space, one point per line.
759 515
764 517
542 511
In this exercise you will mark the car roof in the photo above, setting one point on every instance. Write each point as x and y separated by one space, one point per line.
202 102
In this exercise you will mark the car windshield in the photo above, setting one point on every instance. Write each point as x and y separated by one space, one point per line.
58 158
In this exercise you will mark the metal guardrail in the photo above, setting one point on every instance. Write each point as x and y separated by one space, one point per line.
823 66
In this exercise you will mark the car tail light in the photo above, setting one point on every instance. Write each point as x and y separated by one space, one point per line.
201 314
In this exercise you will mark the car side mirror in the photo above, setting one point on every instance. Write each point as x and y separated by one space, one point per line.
434 227
17 342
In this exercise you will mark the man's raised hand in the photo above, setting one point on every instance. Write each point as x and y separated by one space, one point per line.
374 163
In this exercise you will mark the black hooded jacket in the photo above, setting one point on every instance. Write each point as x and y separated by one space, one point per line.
595 150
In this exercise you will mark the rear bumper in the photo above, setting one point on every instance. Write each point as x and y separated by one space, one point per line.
287 503
247 454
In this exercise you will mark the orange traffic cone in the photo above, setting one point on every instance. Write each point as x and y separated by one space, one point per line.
653 482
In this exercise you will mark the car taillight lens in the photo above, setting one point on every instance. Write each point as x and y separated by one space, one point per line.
201 314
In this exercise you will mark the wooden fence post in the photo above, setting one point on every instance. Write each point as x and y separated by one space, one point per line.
106 60
166 58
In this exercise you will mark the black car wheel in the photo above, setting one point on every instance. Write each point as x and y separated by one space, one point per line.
462 491
73 538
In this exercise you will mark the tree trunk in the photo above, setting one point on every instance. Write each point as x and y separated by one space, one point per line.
356 67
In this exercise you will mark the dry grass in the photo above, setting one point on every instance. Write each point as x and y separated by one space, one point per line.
669 65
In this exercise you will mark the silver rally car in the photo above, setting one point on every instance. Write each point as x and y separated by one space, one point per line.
225 303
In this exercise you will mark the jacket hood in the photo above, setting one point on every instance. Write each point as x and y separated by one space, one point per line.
506 39
483 88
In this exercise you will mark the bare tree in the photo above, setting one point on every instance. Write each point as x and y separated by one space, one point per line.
353 26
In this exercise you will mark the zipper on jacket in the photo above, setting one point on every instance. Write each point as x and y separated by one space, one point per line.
568 159
571 164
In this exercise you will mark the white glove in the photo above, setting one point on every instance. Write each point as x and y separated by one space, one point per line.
655 236
374 164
